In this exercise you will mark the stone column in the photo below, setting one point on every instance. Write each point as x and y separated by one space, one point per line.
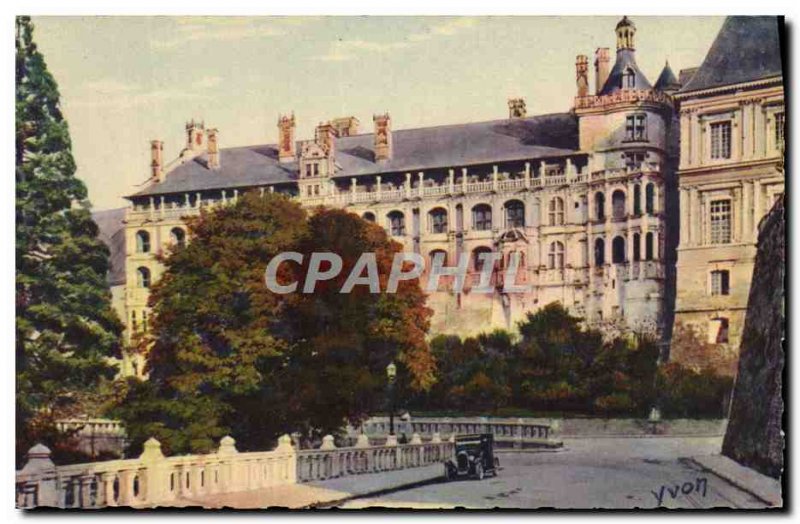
421 184
685 217
451 181
408 185
463 179
527 175
380 187
494 178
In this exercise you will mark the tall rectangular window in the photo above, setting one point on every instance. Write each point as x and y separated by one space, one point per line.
779 123
720 282
721 140
720 222
636 127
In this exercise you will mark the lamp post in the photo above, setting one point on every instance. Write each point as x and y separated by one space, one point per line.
391 373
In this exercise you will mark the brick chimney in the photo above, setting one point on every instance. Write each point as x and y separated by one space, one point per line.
383 137
516 108
157 160
213 149
602 64
286 152
582 75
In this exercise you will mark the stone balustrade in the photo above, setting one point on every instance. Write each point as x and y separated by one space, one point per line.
155 480
508 432
96 435
330 462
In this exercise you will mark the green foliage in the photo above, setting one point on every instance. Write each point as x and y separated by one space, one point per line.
65 326
692 393
228 356
558 366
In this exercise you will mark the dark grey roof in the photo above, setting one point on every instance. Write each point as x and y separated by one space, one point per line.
684 75
413 149
747 48
112 232
626 59
666 80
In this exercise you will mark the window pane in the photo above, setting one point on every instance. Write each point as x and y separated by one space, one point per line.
721 222
721 140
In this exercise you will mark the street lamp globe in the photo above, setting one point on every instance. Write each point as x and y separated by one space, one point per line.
391 371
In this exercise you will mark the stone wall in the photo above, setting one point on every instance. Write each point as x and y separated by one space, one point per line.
753 437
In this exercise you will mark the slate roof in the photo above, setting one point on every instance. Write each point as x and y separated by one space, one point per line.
666 79
684 75
112 233
626 58
414 150
747 48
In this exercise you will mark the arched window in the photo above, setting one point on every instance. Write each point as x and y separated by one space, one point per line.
599 252
142 242
178 236
438 254
437 220
618 250
482 217
397 224
618 204
143 277
648 246
600 206
515 214
556 211
637 199
369 216
637 247
477 263
556 256
628 78
649 198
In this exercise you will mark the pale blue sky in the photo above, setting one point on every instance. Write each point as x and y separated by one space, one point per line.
127 80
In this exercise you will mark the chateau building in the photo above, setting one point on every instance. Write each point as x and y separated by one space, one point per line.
731 146
585 200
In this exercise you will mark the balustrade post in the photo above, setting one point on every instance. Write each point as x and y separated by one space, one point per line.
380 187
43 470
451 180
495 175
229 466
527 175
408 185
463 179
421 183
289 462
155 482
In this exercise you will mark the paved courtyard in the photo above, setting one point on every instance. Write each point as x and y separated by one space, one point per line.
589 473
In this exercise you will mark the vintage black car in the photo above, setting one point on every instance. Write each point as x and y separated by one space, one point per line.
474 457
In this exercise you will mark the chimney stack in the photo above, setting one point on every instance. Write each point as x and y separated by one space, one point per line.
195 134
346 126
516 108
157 160
383 137
213 149
325 136
582 75
602 62
286 151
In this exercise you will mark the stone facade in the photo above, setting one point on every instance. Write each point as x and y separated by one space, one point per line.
587 199
731 142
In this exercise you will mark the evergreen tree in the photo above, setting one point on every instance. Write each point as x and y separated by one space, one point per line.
65 326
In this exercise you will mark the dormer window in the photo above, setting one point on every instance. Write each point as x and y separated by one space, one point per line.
628 79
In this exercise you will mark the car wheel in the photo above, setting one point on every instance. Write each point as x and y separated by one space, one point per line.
479 471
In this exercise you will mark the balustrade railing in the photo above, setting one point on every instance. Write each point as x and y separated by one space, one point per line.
155 480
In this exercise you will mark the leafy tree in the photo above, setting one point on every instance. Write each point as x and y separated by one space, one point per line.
230 356
65 326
